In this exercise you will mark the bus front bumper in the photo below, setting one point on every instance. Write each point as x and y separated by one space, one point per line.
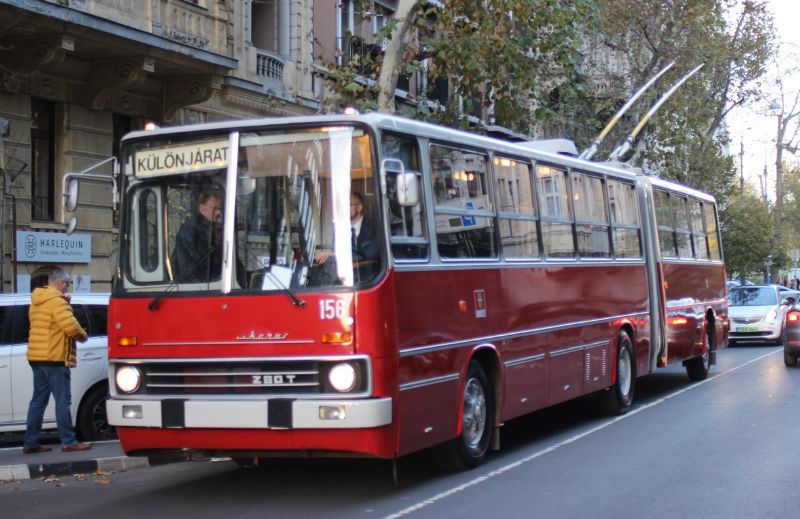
276 413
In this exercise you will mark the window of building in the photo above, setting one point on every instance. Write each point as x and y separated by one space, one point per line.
42 166
464 213
519 237
551 185
591 219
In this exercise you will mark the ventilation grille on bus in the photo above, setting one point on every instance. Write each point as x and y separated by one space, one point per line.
269 378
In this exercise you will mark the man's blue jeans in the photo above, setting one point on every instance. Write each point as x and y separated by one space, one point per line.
49 379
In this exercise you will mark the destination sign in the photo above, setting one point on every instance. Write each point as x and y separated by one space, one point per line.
171 160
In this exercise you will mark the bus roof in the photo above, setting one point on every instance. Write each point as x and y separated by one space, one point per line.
381 121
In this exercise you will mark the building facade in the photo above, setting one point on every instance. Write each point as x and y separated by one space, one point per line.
76 75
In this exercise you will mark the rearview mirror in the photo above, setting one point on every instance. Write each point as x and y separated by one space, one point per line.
407 189
73 222
407 182
71 195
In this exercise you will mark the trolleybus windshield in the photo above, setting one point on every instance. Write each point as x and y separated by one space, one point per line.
305 212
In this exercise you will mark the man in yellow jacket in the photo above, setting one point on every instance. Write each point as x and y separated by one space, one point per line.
51 354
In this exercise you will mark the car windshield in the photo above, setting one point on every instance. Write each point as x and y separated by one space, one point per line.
752 296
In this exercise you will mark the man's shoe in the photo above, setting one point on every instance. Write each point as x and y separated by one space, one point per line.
76 447
35 450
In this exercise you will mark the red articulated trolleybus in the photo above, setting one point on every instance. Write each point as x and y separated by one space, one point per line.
370 285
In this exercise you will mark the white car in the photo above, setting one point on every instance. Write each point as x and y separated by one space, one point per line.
757 314
89 378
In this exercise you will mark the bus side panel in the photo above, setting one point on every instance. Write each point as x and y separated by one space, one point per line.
427 414
691 288
557 314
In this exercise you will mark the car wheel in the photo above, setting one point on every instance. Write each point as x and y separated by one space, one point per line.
618 398
469 449
789 359
92 419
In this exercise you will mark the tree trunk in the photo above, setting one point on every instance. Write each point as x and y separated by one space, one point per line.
393 56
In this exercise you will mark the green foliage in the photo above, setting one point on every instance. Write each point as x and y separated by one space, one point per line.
509 63
551 68
686 140
746 227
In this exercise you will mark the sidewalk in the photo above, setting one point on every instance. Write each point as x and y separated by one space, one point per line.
104 456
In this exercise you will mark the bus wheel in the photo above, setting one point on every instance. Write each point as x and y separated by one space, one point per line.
469 449
790 360
250 462
618 398
697 368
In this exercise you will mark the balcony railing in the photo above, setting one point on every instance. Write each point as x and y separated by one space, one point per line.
268 65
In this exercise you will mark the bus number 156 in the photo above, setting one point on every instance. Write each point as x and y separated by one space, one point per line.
331 309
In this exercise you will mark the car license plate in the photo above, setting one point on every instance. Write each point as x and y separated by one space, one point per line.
745 329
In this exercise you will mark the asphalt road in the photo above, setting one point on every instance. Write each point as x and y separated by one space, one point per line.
725 447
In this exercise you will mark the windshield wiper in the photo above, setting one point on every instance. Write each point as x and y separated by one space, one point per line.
156 302
286 290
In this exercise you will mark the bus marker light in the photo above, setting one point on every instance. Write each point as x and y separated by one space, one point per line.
332 412
337 338
127 341
462 306
132 412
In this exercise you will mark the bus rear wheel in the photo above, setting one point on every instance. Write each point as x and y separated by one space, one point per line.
618 398
469 449
698 367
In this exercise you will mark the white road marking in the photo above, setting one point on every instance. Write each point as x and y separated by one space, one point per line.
573 439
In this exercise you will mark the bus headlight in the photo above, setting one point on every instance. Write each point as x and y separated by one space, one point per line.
128 379
342 377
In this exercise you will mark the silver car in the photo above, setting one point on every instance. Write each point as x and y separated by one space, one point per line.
757 314
89 378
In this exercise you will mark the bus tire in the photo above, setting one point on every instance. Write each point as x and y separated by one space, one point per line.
250 462
92 420
698 367
618 398
469 449
790 360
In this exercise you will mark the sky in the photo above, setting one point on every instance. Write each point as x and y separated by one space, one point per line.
754 129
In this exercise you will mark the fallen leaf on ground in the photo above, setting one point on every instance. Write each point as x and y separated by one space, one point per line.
102 481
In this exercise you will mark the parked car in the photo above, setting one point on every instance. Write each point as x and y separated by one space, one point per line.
789 293
757 314
89 378
791 346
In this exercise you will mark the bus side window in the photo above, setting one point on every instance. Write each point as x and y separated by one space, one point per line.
406 223
666 226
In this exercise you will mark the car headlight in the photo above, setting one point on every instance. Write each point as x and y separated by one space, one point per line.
342 377
128 379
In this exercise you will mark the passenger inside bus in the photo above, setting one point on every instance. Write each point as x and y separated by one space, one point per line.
364 242
197 256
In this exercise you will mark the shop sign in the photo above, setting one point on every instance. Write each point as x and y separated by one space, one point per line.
54 247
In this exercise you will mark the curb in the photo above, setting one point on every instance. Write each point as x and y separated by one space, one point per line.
38 470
